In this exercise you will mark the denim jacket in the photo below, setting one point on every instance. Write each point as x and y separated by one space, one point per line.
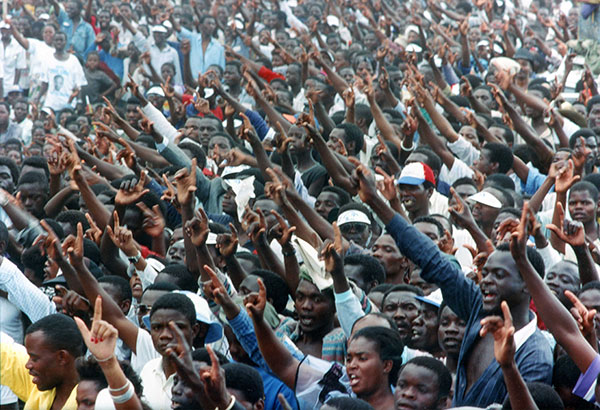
533 357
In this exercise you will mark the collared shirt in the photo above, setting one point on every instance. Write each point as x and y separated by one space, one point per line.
13 358
200 60
167 55
157 387
13 58
533 355
80 37
12 131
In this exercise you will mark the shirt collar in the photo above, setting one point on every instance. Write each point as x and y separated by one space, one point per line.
525 332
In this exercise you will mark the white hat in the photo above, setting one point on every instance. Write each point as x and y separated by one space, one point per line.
435 298
159 29
486 198
353 215
155 90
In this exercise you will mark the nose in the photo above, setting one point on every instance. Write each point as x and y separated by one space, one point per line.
399 314
307 304
29 365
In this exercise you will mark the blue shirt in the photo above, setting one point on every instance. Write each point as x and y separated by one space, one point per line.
81 38
534 356
200 61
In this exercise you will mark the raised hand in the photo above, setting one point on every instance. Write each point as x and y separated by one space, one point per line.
215 290
93 233
505 230
227 243
122 237
333 251
583 316
126 155
258 228
154 221
460 211
570 232
282 231
71 302
132 191
197 228
255 303
364 181
387 186
185 181
73 247
101 339
518 239
348 96
281 139
49 243
503 331
565 178
580 154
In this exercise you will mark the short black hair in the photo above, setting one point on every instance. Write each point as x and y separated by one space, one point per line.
246 380
585 186
181 277
343 196
177 302
544 396
501 181
590 285
372 269
197 152
592 101
277 289
534 257
72 217
37 161
508 134
61 332
14 169
348 403
442 372
501 154
363 111
582 132
34 178
402 288
201 355
32 259
389 344
353 133
382 287
89 370
120 284
464 181
430 220
433 160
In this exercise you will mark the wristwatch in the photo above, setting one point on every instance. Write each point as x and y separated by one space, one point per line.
135 259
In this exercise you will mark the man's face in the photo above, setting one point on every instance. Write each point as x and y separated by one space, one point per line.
485 98
6 181
87 391
44 362
414 197
425 329
293 75
162 335
208 26
428 229
146 303
563 276
334 43
33 197
582 206
403 308
503 216
206 128
386 251
298 143
218 147
231 75
326 202
357 275
183 396
104 19
451 331
339 134
356 232
60 41
484 215
417 388
469 133
315 311
416 280
72 10
20 110
501 281
593 116
176 252
484 164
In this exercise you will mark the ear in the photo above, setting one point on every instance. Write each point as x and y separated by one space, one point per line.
387 366
259 405
429 192
198 329
125 306
63 357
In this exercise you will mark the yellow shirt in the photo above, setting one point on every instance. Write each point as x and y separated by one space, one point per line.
14 375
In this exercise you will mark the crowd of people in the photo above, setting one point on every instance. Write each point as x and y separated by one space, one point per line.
299 204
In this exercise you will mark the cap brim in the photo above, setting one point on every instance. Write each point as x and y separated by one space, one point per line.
485 198
406 180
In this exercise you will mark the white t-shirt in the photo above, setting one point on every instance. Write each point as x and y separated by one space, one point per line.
62 78
40 53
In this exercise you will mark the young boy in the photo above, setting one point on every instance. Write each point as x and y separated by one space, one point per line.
99 84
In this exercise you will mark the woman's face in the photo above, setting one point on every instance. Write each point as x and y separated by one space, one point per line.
364 366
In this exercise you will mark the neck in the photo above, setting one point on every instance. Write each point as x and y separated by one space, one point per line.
235 89
167 366
452 362
591 229
63 390
76 19
381 398
421 211
304 159
487 229
317 335
520 314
